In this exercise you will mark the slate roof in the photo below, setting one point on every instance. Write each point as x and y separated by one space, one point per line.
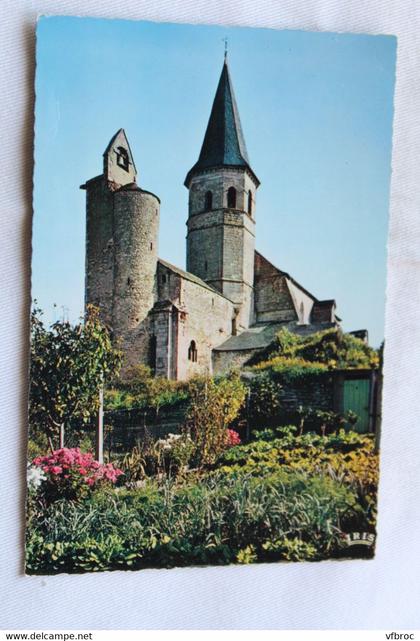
191 277
260 335
224 142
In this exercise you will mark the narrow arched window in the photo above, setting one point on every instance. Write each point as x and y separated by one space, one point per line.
152 353
231 197
234 327
208 201
192 352
250 202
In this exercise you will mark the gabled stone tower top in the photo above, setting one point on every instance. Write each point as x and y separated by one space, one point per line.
119 167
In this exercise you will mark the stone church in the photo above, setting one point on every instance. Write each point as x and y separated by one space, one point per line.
230 301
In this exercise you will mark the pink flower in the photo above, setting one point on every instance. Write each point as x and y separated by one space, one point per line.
232 438
56 469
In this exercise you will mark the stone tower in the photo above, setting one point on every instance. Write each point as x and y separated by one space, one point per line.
221 220
122 226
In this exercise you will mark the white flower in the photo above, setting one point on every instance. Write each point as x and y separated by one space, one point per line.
34 476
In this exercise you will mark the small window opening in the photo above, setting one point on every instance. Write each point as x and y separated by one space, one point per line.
231 197
163 278
250 202
234 327
151 246
152 354
129 281
192 352
206 265
122 158
208 201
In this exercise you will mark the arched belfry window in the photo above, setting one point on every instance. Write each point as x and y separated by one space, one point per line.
250 202
231 197
122 158
192 352
208 201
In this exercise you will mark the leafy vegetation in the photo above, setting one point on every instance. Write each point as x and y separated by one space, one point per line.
329 349
222 519
347 457
68 366
198 497
140 389
214 405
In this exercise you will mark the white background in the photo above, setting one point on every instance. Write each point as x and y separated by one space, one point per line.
384 593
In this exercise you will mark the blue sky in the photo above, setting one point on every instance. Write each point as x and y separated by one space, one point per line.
316 109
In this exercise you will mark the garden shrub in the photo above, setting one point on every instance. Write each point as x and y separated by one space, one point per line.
141 389
214 405
347 457
213 519
71 474
264 397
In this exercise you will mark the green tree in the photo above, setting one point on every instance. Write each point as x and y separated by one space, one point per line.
214 404
68 366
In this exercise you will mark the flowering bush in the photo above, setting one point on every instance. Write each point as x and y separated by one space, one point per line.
69 473
34 476
232 438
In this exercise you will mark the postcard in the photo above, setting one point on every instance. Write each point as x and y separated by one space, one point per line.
209 252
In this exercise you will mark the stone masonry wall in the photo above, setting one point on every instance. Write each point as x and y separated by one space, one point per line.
136 226
99 246
206 319
220 242
224 361
273 301
187 312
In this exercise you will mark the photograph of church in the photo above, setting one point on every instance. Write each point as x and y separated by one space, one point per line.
197 397
230 301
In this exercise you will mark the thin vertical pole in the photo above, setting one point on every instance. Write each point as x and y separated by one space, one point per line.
61 438
99 442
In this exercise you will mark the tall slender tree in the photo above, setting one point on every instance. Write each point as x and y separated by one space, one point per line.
68 367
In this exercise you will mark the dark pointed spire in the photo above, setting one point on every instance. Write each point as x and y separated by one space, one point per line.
224 143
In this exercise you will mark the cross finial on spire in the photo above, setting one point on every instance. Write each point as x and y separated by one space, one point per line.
225 40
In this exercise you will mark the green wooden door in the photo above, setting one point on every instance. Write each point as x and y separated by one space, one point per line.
356 399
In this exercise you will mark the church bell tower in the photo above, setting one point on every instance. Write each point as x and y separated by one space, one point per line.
221 220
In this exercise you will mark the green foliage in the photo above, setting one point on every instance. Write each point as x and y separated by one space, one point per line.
329 349
213 519
214 405
247 555
347 457
291 368
141 389
264 397
37 445
134 465
67 367
289 550
165 457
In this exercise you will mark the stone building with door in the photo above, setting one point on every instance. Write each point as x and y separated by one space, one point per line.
230 301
